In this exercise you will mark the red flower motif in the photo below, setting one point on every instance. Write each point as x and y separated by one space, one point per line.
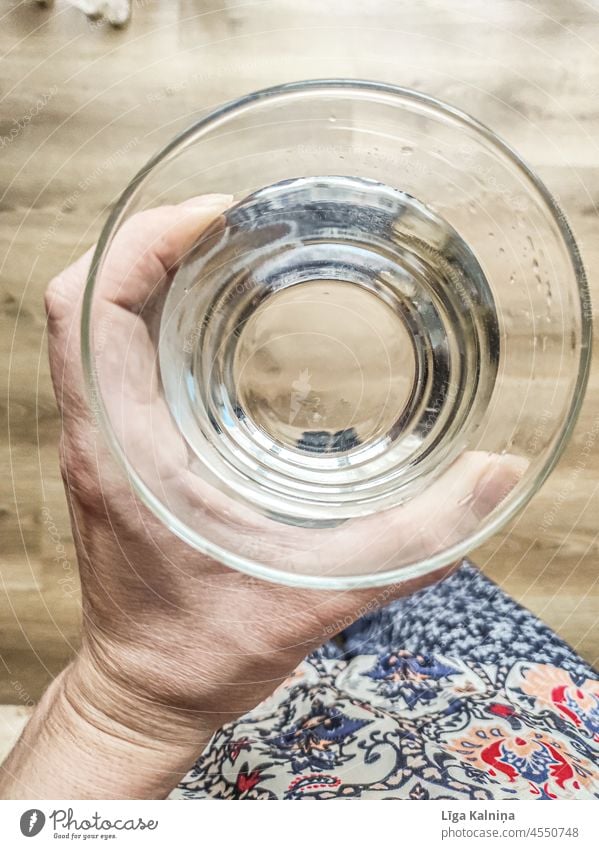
247 781
492 755
237 747
501 710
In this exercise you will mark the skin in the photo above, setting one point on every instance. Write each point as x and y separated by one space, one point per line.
175 644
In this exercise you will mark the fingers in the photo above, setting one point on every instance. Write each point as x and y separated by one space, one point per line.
450 510
444 514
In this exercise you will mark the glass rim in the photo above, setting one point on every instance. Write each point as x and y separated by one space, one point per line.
400 574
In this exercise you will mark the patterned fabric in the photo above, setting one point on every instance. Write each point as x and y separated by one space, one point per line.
454 693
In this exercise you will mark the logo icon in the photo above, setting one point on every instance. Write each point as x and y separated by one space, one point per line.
32 822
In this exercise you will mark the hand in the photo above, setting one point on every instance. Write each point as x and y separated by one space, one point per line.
174 644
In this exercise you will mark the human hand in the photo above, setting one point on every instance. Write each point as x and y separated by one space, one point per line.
174 643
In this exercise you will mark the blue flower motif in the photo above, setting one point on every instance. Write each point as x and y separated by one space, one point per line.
315 741
412 677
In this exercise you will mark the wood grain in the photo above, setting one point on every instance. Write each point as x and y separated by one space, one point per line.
83 106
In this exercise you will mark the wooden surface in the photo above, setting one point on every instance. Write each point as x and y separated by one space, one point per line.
83 106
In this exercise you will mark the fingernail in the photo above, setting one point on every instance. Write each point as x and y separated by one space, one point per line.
212 201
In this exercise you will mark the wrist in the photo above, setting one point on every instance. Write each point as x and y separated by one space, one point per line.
163 685
88 740
127 712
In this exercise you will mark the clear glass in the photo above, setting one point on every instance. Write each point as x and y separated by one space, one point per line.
370 362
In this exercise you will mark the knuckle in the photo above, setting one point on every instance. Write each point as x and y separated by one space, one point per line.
62 298
55 301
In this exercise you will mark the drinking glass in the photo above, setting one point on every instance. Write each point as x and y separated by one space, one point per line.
369 362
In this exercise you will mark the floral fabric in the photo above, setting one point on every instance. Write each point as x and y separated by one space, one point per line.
454 693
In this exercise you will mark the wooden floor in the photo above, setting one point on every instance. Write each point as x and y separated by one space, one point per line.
83 106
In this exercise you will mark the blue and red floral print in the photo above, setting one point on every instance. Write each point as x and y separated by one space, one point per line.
454 693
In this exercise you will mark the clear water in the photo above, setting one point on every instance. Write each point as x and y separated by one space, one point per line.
327 348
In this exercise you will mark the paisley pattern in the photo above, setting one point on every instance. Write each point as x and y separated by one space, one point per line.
369 718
